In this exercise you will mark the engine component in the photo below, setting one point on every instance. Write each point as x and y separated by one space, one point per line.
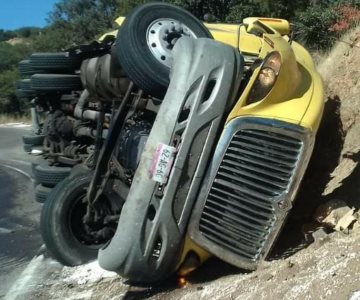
57 126
62 138
132 142
96 78
88 114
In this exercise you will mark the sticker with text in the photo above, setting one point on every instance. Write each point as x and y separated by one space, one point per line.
162 162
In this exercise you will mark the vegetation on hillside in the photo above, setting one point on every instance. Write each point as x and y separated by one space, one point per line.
317 23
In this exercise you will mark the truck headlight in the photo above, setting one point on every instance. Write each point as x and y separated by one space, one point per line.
266 78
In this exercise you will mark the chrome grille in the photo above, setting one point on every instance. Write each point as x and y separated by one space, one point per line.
254 175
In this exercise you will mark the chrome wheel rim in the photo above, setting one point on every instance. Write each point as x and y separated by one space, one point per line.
161 37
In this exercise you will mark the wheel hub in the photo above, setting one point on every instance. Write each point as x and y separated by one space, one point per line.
162 35
92 232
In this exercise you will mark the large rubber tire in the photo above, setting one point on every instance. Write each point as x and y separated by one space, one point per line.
25 68
36 140
41 193
28 147
132 48
25 85
56 222
50 176
25 94
79 169
56 82
60 62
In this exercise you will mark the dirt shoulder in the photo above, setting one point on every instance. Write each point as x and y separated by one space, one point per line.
327 269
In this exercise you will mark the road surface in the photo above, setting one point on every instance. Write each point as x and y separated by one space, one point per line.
19 212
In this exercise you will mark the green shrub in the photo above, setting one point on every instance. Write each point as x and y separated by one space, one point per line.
10 55
312 27
244 10
9 103
320 26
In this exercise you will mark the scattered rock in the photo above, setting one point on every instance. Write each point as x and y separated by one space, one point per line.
329 211
320 237
356 227
346 221
290 264
355 296
337 215
267 277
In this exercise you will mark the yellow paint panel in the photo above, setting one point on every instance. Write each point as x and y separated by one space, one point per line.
120 20
249 43
228 34
111 33
280 25
297 88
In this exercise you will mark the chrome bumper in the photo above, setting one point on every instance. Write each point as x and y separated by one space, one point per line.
154 218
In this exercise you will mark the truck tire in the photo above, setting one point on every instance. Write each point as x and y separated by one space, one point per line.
50 176
28 147
61 222
145 40
25 68
25 94
41 193
58 62
55 82
36 140
25 85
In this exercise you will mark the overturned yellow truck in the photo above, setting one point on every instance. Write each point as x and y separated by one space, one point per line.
218 122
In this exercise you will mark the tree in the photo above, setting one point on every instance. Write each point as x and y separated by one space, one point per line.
10 55
218 8
82 20
245 9
8 101
6 35
125 6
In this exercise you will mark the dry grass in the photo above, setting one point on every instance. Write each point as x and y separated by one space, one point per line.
5 118
325 59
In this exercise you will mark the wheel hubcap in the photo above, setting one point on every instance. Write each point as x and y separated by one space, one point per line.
161 36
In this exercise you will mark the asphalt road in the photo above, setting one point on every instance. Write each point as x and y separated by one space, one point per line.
19 212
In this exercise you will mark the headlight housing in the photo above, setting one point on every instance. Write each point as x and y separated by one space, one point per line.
266 78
